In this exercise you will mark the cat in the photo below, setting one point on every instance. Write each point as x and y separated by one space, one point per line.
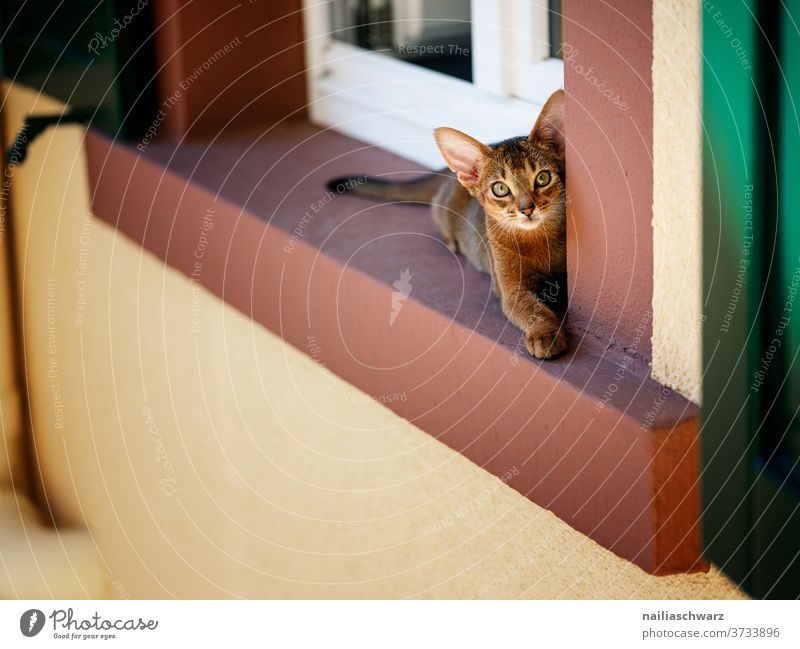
504 208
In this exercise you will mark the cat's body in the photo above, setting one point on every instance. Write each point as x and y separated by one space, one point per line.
503 208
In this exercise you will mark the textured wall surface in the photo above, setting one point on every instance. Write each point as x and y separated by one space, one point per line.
11 404
47 191
677 199
609 117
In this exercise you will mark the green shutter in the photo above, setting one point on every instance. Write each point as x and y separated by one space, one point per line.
751 196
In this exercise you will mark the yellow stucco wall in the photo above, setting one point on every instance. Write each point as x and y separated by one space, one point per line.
48 190
225 463
677 200
11 415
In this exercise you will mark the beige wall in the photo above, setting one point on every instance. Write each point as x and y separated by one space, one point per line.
37 560
222 462
677 199
11 413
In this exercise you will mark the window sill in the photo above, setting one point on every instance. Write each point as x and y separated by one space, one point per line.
611 452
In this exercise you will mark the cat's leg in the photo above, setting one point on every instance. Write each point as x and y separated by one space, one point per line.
495 287
493 276
443 221
544 334
546 337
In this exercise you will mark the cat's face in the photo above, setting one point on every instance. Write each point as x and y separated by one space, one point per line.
520 187
519 183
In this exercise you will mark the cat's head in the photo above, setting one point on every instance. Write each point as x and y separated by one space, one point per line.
519 183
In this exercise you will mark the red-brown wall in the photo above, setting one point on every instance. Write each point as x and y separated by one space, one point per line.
610 172
258 82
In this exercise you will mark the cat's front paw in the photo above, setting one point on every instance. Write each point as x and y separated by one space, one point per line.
546 341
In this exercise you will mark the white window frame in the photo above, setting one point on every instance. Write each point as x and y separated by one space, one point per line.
384 101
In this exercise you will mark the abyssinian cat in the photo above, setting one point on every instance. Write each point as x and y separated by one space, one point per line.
502 207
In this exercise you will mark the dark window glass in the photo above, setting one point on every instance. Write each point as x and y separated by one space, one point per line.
435 34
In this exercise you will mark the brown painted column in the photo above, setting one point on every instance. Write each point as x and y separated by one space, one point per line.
609 112
227 65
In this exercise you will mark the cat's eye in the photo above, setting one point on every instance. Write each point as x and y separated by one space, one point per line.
500 189
542 178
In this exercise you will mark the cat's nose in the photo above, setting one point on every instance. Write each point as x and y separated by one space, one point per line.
527 210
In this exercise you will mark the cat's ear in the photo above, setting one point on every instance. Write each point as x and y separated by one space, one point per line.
549 129
462 154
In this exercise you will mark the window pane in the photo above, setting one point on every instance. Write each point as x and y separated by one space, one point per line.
434 34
